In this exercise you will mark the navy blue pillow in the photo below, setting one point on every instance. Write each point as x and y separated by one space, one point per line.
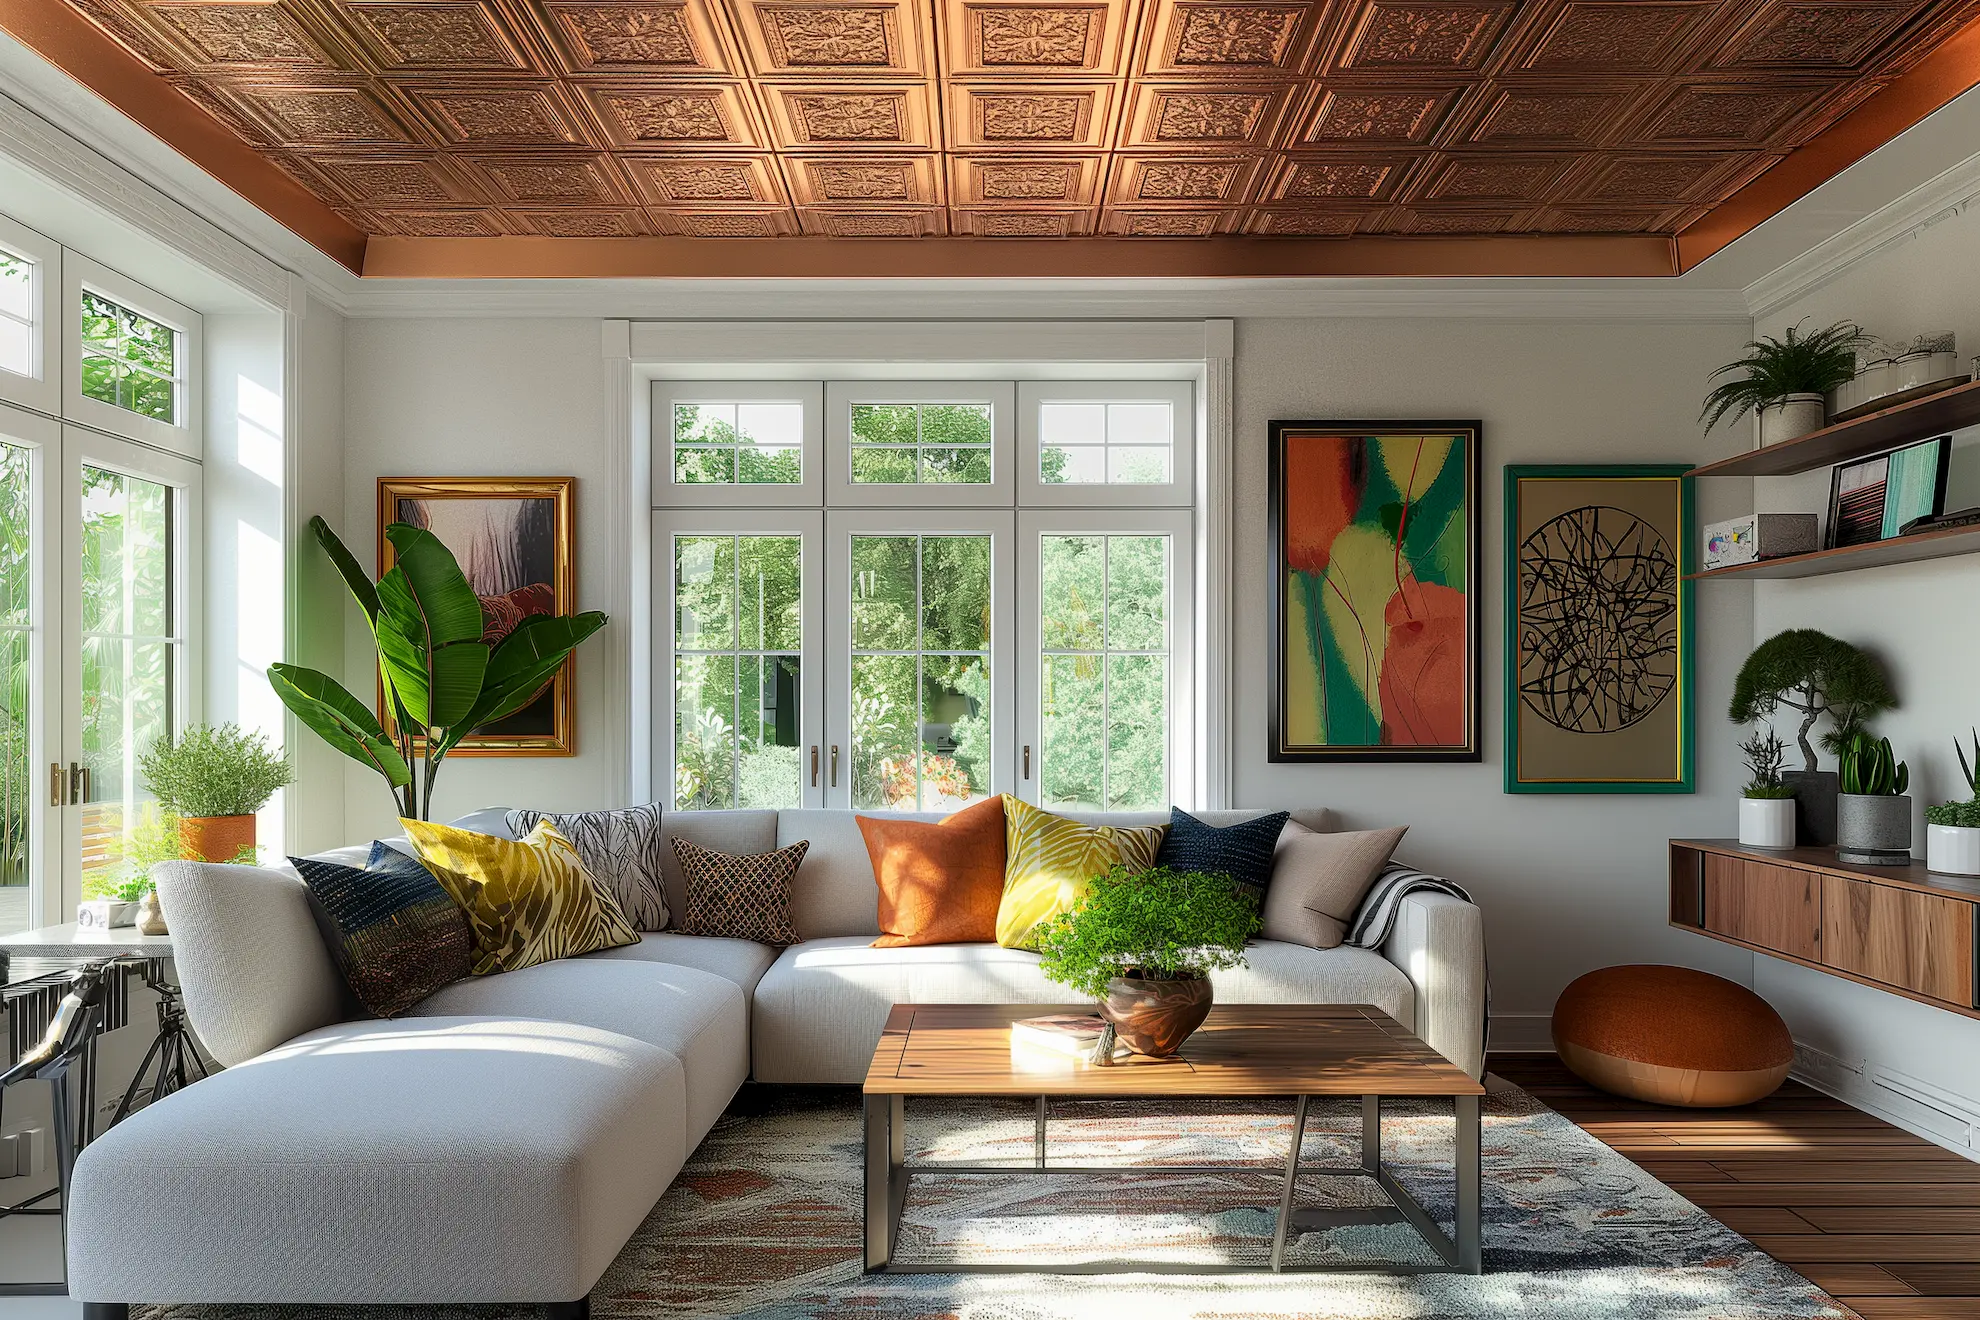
1243 851
396 935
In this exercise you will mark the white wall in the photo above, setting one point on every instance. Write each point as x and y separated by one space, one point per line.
1923 620
317 609
1567 883
467 398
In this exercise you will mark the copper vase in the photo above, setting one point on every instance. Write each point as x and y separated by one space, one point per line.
1155 1017
215 838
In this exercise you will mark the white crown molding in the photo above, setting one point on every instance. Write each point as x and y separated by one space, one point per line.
1940 198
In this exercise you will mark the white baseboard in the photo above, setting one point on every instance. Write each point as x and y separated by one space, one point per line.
1912 1103
1521 1033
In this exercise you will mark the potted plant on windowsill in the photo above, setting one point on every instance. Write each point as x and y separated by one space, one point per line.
1143 944
1873 814
1815 675
1952 829
1785 381
213 780
1766 805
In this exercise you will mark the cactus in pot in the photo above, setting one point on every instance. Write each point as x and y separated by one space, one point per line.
1873 814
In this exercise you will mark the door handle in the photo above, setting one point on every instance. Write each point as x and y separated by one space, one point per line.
835 765
78 783
58 786
814 765
1027 760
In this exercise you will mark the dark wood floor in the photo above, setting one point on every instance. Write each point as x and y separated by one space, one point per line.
1887 1222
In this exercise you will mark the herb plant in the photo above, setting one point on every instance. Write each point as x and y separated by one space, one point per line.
1764 752
1815 674
213 772
1871 769
1160 924
1775 368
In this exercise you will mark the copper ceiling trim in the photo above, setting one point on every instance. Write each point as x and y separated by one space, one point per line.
65 39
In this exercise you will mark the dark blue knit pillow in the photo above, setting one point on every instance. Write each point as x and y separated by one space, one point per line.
396 935
1243 851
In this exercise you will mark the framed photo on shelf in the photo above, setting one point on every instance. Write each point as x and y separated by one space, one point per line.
1599 632
1871 499
513 539
1375 591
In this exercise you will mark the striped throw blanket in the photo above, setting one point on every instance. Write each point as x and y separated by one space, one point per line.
1376 916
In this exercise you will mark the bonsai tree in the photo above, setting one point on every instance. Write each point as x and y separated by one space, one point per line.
1815 674
442 680
1965 815
213 772
1775 368
1157 925
1871 769
1764 752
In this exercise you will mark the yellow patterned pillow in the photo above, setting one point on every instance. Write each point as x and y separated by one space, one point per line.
1050 861
528 901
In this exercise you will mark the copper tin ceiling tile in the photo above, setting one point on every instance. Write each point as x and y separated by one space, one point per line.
1346 115
1167 223
707 182
821 117
968 223
1191 117
1239 39
432 35
852 181
1033 182
859 40
1058 116
903 223
1182 181
1004 39
668 115
477 115
656 37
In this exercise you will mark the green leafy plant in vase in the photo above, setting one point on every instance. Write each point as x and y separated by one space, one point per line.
1143 944
1873 814
1785 380
1766 806
1817 677
1952 829
212 781
441 677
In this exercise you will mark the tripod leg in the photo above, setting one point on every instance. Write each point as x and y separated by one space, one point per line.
156 1051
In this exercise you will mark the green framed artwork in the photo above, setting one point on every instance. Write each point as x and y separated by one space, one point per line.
1599 630
1375 591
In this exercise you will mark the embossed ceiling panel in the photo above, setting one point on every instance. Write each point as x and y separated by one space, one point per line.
938 119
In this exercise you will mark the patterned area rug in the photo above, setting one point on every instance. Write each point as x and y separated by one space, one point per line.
764 1224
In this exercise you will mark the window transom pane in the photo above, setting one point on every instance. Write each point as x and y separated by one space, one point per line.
16 314
128 360
905 444
1105 443
738 444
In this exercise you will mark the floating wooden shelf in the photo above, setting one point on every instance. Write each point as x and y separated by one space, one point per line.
1921 419
1940 544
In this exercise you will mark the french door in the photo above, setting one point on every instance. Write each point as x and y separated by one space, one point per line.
98 575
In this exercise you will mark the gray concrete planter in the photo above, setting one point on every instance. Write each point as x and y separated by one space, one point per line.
1873 831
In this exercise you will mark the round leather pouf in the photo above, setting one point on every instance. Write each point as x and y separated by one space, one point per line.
1672 1036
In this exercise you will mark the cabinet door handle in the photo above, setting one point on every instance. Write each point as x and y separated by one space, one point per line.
835 765
814 765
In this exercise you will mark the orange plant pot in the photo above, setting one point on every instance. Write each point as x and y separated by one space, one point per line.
215 838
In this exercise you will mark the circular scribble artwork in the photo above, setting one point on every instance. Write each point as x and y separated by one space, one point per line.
1598 620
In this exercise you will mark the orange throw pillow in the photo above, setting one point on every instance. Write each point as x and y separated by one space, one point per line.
941 881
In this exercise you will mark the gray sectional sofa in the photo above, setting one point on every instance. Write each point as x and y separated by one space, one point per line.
502 1142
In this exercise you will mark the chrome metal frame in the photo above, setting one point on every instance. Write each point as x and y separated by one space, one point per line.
888 1174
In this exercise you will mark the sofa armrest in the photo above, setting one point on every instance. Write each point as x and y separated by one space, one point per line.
1439 942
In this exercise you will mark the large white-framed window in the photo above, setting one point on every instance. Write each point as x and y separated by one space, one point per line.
738 442
1110 444
919 443
31 851
131 359
740 710
30 282
1105 633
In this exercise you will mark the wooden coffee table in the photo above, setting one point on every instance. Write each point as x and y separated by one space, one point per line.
1243 1050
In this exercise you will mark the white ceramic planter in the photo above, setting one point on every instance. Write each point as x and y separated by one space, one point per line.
1952 849
1766 822
1791 418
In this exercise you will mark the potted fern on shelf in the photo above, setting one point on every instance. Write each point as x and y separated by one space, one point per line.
1766 805
1873 814
1143 943
1952 829
1785 381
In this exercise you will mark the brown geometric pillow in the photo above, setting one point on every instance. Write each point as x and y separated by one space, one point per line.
740 898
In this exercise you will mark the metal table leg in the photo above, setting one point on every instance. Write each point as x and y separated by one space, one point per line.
886 1178
1371 1133
1286 1192
1038 1137
1470 1258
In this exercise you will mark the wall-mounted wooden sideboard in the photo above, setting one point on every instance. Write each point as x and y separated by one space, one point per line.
1902 929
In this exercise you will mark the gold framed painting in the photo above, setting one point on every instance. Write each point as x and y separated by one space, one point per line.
512 537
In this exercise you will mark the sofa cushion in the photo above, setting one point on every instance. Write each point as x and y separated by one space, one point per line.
698 1017
395 934
540 1146
819 1009
1320 880
1242 851
741 961
720 831
622 849
1050 860
740 896
939 883
835 892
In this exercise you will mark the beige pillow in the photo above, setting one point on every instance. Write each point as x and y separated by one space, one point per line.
1318 880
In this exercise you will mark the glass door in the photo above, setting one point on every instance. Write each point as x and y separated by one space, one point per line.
30 857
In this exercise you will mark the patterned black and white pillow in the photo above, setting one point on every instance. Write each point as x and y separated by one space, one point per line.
622 850
740 897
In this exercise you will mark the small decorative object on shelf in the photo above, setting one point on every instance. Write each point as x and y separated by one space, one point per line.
1143 943
1892 373
1876 498
1785 380
1766 805
1817 675
105 913
1952 829
213 781
1755 536
1873 814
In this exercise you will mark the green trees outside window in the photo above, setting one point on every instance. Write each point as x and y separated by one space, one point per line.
129 361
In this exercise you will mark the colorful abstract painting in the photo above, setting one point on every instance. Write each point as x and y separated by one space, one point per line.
1374 531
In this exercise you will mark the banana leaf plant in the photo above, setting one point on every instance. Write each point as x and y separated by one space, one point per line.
442 679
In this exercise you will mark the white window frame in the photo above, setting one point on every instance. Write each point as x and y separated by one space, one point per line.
809 527
1179 526
42 437
841 525
39 389
840 396
1178 491
182 437
668 493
